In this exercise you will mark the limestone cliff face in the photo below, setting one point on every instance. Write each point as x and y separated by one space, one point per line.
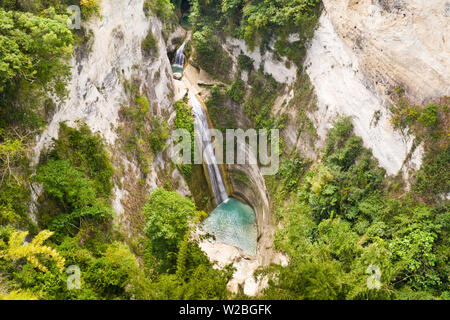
343 89
398 42
96 91
361 51
364 49
248 184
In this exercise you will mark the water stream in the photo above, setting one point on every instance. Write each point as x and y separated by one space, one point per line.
180 59
232 222
202 128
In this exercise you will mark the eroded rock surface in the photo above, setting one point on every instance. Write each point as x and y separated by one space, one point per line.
399 43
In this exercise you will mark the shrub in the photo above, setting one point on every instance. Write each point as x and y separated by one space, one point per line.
428 116
163 9
90 7
75 196
68 186
210 55
433 178
85 151
237 90
260 101
168 215
150 45
245 62
158 135
114 274
34 55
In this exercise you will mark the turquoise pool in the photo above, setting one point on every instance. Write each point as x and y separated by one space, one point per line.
234 223
177 69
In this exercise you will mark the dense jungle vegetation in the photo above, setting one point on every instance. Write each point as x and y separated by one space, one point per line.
338 216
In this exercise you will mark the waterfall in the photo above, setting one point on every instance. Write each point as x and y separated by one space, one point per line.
179 57
202 127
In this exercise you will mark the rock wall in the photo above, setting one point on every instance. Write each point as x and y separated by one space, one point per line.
249 185
364 49
96 91
277 69
398 42
343 89
361 51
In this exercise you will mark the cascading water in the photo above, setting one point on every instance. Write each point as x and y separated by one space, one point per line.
232 222
202 128
180 60
179 56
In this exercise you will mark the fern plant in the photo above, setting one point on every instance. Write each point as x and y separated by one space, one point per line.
17 249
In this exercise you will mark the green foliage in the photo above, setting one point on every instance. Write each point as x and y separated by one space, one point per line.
74 194
344 221
210 55
85 151
429 125
263 16
33 63
338 135
415 254
261 99
245 63
159 134
150 45
43 285
349 176
205 13
195 277
16 250
14 174
428 116
185 120
144 134
28 43
34 270
90 8
163 9
258 21
66 184
237 91
12 152
18 295
76 175
108 271
290 173
168 216
433 178
116 273
218 104
304 103
294 51
182 269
